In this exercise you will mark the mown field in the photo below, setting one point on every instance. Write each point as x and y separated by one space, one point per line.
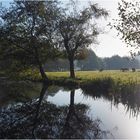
125 77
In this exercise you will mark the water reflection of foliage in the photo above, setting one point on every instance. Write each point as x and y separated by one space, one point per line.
11 91
52 90
41 119
77 124
128 95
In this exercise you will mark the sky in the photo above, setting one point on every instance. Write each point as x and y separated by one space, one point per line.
109 43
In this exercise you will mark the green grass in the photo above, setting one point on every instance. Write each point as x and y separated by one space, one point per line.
83 77
87 76
90 81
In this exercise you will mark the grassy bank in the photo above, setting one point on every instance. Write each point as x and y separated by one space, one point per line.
90 76
92 82
99 82
83 77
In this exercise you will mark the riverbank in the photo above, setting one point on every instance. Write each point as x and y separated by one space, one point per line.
90 76
85 78
99 82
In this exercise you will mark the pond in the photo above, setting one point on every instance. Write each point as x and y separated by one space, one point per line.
35 110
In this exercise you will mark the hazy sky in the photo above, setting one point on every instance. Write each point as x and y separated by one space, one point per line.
109 42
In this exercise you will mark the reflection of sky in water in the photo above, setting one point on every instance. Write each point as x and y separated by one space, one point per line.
114 119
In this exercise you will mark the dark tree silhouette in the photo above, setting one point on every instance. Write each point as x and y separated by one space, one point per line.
26 32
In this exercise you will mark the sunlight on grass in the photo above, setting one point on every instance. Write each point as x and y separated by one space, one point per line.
125 77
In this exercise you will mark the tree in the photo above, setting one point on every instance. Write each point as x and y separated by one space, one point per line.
128 24
91 62
26 32
116 62
77 30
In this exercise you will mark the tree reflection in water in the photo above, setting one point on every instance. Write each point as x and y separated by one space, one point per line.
129 96
77 124
41 119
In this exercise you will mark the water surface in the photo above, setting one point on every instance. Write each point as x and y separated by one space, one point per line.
33 110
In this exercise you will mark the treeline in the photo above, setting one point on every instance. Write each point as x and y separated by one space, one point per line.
93 62
117 62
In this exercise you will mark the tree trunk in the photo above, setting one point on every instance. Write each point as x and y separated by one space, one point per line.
43 90
72 97
42 72
71 62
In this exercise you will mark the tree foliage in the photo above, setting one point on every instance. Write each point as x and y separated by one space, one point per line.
26 32
116 62
32 31
91 62
128 24
77 30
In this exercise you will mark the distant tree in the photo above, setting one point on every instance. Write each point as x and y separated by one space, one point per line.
58 64
128 24
91 62
117 62
77 30
26 33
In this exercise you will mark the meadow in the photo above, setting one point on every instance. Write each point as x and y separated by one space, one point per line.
87 76
116 77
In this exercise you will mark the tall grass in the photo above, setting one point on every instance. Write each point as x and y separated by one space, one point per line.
86 76
118 77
